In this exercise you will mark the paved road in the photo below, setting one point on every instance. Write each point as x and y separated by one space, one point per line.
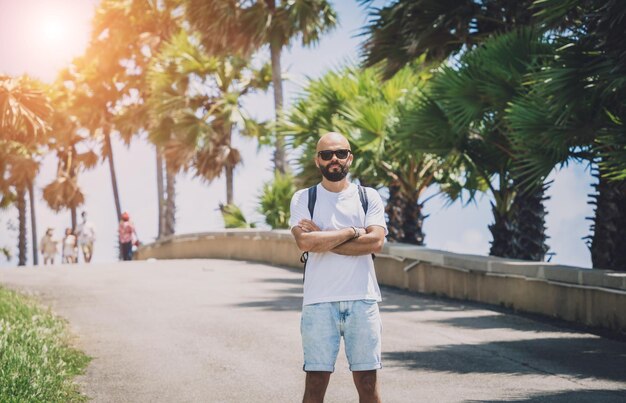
228 331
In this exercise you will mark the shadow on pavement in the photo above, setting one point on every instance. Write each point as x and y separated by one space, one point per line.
572 396
495 321
287 303
294 281
288 288
393 300
396 300
579 357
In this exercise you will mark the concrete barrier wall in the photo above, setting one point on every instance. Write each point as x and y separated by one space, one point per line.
591 297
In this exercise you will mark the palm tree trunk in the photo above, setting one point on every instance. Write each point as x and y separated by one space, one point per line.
396 204
21 214
405 218
160 197
229 184
503 233
530 213
413 221
109 154
280 163
33 222
116 196
228 168
608 242
170 202
73 217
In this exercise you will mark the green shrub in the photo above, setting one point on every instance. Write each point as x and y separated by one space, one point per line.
36 362
276 198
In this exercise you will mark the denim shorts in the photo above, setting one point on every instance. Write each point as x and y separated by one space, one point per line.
322 326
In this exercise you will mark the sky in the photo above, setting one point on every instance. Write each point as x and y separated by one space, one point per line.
40 37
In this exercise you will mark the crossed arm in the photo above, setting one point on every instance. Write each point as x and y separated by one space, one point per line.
311 238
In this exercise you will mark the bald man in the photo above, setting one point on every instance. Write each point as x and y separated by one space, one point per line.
341 292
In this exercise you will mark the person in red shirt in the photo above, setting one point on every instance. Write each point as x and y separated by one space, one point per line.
128 235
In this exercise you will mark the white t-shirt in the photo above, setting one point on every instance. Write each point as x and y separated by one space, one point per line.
329 276
69 244
86 233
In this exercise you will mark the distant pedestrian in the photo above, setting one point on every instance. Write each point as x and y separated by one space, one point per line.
48 247
70 247
128 236
86 237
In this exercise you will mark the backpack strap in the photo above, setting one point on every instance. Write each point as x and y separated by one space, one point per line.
312 199
363 197
365 204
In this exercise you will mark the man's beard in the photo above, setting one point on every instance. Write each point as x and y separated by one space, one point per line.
334 176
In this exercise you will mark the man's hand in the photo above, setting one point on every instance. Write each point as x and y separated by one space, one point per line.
308 225
370 240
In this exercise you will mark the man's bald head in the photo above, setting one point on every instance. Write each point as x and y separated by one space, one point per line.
333 156
332 141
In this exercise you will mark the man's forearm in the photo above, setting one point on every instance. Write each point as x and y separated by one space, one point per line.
363 245
324 241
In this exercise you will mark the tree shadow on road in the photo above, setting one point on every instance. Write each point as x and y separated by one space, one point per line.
570 396
577 357
490 317
287 303
287 292
396 300
294 281
496 321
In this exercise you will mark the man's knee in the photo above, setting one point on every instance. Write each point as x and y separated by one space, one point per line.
315 388
365 381
317 379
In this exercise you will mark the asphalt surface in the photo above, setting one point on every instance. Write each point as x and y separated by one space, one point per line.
228 331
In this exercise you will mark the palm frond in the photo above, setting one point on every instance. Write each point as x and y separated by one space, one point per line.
233 217
406 30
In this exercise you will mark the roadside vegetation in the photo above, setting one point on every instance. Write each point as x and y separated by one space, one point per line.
37 363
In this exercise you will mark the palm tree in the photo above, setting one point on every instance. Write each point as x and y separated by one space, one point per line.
245 26
360 105
577 115
23 112
463 114
64 191
196 105
109 76
95 95
23 172
574 109
275 200
130 33
432 30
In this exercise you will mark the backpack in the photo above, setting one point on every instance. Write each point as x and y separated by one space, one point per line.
312 199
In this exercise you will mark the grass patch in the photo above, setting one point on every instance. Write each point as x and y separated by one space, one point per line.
37 363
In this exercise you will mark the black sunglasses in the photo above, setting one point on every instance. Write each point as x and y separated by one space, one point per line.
327 155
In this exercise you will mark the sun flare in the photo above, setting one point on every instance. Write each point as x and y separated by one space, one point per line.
41 37
53 30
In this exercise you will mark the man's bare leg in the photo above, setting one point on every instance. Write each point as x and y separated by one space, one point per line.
87 253
367 386
315 386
